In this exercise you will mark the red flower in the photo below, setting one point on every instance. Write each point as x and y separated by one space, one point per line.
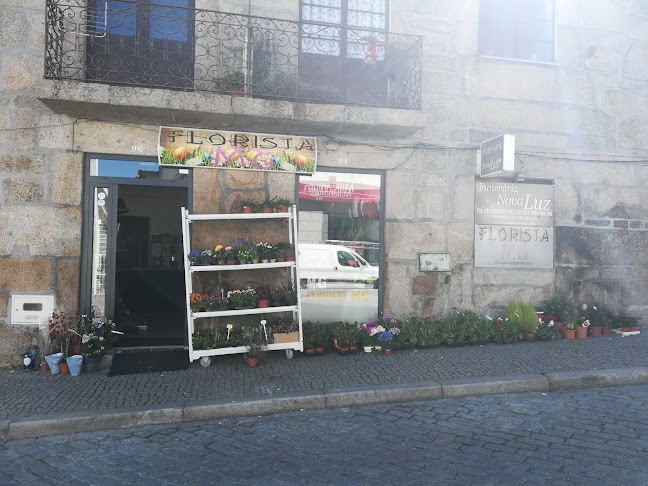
501 328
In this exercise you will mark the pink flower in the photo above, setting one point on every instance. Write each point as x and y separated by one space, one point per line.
501 328
425 315
584 307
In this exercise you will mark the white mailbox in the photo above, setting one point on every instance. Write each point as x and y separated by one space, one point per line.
31 309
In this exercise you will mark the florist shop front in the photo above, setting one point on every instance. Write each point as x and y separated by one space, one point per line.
133 260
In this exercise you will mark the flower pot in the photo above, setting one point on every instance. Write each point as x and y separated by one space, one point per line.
75 363
230 262
255 261
353 349
569 333
559 326
265 260
266 210
595 331
343 349
282 208
253 362
247 209
520 335
220 262
529 336
77 348
581 332
310 351
368 349
44 367
387 351
281 259
65 369
629 329
54 362
606 330
290 259
319 350
263 303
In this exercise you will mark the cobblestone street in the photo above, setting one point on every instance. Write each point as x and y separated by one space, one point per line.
592 437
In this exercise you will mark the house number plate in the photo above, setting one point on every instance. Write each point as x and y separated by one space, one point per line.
434 262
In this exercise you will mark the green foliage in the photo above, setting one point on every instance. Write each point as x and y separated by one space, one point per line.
252 339
231 81
623 319
546 332
557 307
504 331
529 318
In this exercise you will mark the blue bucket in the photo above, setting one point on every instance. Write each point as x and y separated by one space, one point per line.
75 362
54 362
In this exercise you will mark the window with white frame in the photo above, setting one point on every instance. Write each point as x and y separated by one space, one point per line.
518 29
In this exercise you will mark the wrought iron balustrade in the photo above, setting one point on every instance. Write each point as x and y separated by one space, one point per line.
131 43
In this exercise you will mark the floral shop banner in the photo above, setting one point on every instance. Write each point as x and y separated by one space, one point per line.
189 147
513 225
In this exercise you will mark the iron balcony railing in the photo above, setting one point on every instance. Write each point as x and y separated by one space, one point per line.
137 43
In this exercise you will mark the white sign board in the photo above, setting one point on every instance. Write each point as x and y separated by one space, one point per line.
434 262
513 225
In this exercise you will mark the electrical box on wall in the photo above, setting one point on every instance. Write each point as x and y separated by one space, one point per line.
31 309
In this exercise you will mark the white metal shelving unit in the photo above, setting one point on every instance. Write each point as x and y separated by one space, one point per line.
204 355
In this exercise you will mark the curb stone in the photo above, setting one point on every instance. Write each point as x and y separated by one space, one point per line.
69 423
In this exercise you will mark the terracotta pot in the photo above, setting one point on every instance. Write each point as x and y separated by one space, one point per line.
290 259
310 351
344 349
253 362
255 261
247 209
353 348
558 326
387 351
236 93
520 335
230 262
319 350
44 367
595 331
282 208
606 330
220 262
581 332
266 210
529 335
569 333
65 369
281 259
77 348
263 303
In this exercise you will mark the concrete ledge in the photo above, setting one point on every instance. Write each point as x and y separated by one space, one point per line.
4 429
266 405
494 385
57 424
371 395
570 380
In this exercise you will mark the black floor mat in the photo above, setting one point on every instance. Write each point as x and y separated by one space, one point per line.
132 362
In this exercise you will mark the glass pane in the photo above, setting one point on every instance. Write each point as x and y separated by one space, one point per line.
99 247
339 246
120 18
169 23
134 169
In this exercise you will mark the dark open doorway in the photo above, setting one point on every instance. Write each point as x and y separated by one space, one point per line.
149 279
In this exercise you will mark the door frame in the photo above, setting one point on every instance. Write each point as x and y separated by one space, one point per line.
381 215
112 183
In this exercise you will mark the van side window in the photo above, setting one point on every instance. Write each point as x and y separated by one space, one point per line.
344 257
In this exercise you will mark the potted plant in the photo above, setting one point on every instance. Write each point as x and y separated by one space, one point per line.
215 303
282 205
529 321
267 206
595 318
624 321
263 294
557 307
285 331
197 302
99 336
277 296
229 255
546 328
571 320
512 315
264 250
247 206
252 338
196 258
232 83
386 340
243 298
246 252
219 255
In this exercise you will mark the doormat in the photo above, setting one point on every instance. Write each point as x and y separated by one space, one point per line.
133 362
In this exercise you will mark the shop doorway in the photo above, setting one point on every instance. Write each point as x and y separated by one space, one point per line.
132 252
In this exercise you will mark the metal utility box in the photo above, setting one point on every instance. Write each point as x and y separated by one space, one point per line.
31 310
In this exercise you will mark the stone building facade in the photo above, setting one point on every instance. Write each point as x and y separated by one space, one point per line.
580 120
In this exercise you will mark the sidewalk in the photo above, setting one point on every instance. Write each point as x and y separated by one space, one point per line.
39 403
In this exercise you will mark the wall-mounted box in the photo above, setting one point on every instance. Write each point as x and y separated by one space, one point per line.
434 262
31 310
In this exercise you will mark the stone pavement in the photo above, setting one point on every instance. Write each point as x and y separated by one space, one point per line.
229 388
570 437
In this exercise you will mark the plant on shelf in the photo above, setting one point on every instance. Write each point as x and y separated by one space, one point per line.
265 251
219 254
246 251
247 205
267 206
215 303
243 298
281 205
277 296
285 331
196 258
197 302
229 254
263 295
208 257
252 339
202 340
284 250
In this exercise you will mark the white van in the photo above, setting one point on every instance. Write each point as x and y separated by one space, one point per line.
334 267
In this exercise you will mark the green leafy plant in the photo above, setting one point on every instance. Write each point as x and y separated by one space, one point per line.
252 339
243 298
233 81
556 307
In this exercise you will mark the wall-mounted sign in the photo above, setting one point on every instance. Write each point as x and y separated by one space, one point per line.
514 225
333 190
434 262
497 155
189 147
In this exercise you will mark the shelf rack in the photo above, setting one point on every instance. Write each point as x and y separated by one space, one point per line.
204 355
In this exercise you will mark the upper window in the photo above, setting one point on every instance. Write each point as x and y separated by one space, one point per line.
518 29
354 16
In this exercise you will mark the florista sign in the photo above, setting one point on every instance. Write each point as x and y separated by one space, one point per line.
514 225
189 147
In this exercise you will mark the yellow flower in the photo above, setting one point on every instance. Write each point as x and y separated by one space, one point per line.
218 248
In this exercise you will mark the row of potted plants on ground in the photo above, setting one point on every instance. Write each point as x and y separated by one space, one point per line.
69 342
246 298
243 252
